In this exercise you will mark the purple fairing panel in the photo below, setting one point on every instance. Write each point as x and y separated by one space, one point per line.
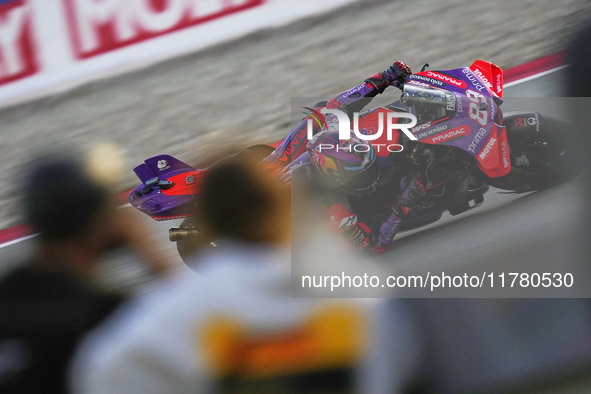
164 166
151 200
144 172
469 109
156 203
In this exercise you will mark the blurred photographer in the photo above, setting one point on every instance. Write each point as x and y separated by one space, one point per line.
48 304
236 328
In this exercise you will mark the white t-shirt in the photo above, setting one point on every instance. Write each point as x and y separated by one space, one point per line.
237 322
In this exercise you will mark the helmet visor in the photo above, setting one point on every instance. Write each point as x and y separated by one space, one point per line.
362 180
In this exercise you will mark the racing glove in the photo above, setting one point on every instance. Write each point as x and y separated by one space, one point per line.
411 191
395 76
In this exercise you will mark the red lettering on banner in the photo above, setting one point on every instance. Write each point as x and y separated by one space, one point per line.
17 47
99 26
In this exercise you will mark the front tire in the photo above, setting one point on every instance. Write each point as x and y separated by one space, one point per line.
551 157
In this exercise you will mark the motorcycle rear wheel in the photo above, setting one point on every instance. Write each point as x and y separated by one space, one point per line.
188 247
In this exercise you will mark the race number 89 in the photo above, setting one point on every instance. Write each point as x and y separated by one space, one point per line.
475 113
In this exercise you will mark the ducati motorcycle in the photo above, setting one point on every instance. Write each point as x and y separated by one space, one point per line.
464 144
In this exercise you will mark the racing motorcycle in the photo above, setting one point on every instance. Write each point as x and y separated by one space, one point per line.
464 144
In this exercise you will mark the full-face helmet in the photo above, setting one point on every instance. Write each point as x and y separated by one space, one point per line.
348 165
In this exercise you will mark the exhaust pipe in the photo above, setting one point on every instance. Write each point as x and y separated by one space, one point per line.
183 233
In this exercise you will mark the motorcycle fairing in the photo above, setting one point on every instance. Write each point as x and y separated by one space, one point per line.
169 188
493 158
144 172
165 166
461 128
186 183
490 74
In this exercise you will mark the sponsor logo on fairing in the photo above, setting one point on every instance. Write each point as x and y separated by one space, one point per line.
487 148
163 165
534 121
450 102
499 84
477 138
519 122
445 78
452 134
420 127
296 142
480 75
472 78
531 121
417 83
505 154
459 104
432 131
431 81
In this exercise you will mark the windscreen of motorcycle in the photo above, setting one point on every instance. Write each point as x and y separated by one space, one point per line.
428 104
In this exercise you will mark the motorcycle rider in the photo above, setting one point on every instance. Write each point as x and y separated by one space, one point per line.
361 181
350 101
355 175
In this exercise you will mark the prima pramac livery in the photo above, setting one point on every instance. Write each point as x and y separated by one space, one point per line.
462 144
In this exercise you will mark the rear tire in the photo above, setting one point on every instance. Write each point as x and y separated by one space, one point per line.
188 247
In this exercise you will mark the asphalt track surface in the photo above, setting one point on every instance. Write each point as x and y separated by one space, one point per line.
508 232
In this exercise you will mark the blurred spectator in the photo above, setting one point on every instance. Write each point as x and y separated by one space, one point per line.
46 306
236 329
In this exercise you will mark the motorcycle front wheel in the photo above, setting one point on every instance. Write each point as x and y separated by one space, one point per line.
552 156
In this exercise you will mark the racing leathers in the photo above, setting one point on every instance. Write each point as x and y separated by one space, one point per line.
346 212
